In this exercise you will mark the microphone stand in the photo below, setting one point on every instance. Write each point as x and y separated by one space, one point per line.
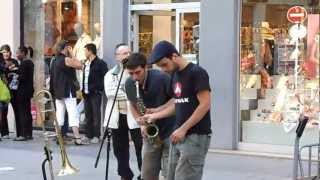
107 132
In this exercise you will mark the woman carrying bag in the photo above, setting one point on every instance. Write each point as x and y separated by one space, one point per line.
5 98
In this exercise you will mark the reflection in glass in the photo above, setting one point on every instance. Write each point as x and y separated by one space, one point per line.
279 73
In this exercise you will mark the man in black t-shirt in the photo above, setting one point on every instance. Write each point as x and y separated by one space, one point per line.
192 94
64 86
154 88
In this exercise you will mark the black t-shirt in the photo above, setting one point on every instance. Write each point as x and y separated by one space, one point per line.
155 94
64 78
185 86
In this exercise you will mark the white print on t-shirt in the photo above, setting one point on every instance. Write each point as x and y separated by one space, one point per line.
181 100
178 89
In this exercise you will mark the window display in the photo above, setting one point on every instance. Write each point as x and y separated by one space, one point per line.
48 21
279 72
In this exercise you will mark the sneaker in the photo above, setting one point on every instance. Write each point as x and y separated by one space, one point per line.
79 141
94 140
139 177
6 137
20 138
29 138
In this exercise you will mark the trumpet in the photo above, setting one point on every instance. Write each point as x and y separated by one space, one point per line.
152 130
43 97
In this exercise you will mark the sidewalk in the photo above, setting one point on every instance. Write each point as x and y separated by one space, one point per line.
26 158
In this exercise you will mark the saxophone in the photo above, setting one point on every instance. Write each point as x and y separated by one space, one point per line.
152 130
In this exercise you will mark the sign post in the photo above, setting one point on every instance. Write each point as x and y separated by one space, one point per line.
297 15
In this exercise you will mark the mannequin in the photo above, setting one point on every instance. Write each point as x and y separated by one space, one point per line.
97 40
83 39
79 50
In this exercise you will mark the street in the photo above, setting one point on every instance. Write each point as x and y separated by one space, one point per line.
22 161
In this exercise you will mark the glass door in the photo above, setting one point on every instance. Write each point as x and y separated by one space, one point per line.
187 30
175 22
149 27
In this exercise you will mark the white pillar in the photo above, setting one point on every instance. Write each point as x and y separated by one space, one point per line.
10 20
10 34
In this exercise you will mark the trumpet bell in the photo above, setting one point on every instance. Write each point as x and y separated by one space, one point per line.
68 170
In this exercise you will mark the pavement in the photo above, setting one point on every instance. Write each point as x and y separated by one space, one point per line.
22 161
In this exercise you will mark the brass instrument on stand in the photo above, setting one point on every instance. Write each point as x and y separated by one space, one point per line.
43 97
152 130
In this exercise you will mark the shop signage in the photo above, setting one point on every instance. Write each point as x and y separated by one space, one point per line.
296 14
298 31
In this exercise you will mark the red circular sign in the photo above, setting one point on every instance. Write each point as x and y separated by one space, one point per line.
296 14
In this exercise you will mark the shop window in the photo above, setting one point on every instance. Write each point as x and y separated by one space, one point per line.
48 21
151 27
279 73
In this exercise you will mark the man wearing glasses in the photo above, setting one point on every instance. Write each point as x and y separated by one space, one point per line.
122 120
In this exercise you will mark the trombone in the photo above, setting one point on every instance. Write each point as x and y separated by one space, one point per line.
43 97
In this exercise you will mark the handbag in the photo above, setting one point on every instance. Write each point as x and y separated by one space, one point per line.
5 95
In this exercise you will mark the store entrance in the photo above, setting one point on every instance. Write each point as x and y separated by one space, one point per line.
178 25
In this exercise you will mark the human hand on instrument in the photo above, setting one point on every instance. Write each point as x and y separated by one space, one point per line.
149 118
143 131
141 121
178 135
151 110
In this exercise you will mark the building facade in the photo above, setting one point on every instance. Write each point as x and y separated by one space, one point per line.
264 69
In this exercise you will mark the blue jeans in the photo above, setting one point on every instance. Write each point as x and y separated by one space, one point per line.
186 159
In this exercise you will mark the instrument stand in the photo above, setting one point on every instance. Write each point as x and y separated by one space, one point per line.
48 155
107 133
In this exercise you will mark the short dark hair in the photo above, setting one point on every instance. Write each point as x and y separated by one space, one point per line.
162 49
135 60
92 48
5 47
61 45
23 49
119 45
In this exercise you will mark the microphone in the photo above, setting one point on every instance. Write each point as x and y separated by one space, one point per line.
124 61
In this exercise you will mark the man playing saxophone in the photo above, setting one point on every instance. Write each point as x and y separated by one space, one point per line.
154 87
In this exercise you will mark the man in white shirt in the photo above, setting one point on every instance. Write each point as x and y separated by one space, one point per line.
122 119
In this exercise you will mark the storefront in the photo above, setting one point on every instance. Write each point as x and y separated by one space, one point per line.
262 74
279 71
276 76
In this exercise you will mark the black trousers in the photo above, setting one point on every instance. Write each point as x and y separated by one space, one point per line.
92 109
4 127
25 117
22 111
15 106
120 140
